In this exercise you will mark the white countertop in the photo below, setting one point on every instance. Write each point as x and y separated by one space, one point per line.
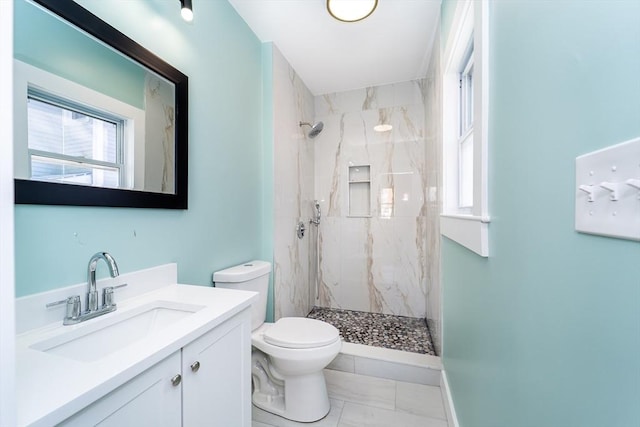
50 388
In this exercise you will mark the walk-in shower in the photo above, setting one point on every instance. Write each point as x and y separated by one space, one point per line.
372 254
315 128
357 327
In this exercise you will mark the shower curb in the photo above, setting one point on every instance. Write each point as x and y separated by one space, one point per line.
387 363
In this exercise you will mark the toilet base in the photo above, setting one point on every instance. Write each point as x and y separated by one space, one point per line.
301 398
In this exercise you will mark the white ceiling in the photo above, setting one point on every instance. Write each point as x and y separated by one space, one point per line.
392 45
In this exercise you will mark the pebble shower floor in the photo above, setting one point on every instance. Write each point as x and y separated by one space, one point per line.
378 330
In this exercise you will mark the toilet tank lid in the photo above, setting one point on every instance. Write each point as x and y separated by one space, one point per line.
243 272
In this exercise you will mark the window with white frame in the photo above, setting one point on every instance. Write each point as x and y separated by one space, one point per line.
465 134
465 215
69 142
66 132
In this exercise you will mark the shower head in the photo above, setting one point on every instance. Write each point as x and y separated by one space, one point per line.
315 128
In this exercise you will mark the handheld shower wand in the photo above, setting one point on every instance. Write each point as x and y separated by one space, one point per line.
316 221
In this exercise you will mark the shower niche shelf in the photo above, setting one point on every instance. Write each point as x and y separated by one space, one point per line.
360 191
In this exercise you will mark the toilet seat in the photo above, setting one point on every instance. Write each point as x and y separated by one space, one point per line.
300 333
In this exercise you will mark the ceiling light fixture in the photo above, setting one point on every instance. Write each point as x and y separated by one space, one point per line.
187 10
351 10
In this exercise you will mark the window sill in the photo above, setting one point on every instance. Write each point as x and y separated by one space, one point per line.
470 231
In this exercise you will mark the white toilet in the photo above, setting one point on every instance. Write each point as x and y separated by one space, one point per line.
288 356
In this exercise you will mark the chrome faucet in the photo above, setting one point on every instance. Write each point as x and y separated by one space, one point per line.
92 296
74 313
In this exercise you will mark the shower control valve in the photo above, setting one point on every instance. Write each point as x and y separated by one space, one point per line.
300 229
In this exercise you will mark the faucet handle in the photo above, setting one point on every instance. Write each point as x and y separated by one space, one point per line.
55 303
73 306
107 296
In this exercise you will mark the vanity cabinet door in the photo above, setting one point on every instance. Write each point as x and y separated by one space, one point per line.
217 378
149 399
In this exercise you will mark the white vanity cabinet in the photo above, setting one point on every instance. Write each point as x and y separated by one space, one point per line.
216 386
149 399
206 383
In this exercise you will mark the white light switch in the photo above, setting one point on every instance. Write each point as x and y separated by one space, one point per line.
607 193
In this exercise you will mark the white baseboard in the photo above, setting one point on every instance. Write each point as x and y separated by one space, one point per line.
452 418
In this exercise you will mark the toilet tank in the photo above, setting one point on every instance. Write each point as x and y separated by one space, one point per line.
249 276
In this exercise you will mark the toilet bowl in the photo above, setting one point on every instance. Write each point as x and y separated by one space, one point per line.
294 386
288 356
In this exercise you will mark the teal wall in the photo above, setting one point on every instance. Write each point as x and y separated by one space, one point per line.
44 41
223 225
546 332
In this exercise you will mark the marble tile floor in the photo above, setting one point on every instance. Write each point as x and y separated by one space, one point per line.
363 401
378 330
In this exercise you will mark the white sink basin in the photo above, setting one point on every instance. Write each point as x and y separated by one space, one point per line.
102 336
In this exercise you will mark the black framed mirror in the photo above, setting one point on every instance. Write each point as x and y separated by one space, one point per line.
107 128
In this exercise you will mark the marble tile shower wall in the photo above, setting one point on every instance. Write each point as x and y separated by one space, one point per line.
376 263
433 159
294 189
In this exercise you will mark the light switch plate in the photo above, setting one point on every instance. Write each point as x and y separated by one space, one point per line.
609 177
